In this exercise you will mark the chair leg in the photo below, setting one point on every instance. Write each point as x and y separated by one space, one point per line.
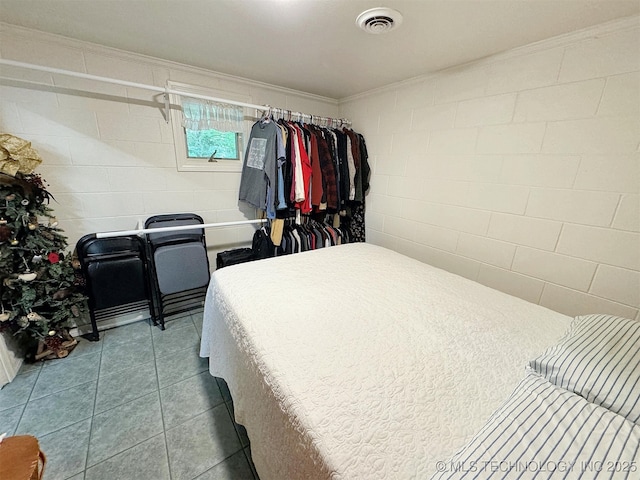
152 312
94 336
160 312
155 307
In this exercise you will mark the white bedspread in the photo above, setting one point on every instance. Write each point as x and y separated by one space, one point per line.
356 362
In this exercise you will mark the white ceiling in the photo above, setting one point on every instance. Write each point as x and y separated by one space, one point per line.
313 45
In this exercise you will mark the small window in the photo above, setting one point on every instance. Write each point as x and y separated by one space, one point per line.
200 150
212 144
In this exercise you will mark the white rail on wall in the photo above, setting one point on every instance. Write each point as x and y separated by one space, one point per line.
166 91
126 83
121 233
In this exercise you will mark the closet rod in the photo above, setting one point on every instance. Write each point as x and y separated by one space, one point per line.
126 83
121 233
88 76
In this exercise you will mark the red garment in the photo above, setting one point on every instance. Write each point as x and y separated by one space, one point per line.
304 205
293 134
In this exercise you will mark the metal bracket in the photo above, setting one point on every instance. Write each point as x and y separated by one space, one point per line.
166 104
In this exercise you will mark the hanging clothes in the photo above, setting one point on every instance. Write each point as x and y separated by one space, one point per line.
304 202
293 169
311 235
366 171
281 138
259 168
329 175
317 183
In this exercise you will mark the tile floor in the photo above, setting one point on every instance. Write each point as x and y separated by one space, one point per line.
139 404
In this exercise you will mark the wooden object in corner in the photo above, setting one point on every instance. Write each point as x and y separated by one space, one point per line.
21 458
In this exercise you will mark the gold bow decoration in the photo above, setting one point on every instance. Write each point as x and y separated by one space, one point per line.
17 155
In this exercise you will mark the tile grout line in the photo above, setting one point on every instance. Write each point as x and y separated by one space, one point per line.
132 446
99 355
164 427
24 409
38 373
124 403
243 449
123 451
223 401
162 417
57 391
233 421
226 405
66 426
93 412
225 458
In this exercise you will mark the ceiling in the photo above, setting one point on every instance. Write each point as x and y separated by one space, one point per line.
313 45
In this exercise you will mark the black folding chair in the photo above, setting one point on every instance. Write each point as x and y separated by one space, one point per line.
179 265
116 272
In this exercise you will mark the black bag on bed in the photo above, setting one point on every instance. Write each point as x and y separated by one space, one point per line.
233 257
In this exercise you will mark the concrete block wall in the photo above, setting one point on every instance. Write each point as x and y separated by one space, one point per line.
520 171
108 153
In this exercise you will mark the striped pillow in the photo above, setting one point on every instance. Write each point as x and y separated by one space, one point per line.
544 431
599 359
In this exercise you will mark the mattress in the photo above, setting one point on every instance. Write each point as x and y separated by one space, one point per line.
356 362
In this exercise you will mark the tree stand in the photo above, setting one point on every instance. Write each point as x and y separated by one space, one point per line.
58 345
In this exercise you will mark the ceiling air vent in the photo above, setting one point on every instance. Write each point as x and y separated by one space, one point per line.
379 20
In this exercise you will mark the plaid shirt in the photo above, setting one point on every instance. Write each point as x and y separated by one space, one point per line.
329 183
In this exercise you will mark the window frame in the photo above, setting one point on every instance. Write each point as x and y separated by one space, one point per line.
191 164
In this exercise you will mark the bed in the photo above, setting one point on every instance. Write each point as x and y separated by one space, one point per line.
356 362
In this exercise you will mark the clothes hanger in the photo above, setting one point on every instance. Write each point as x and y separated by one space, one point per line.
267 115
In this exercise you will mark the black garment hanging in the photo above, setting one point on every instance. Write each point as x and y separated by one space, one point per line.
311 235
343 165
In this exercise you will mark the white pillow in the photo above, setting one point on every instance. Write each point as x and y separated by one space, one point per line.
544 431
599 359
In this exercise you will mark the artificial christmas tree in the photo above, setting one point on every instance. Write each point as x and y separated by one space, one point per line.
40 290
